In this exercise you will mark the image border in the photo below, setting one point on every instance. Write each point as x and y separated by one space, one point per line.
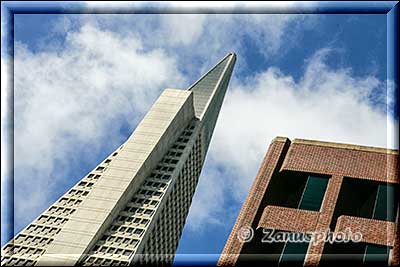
9 9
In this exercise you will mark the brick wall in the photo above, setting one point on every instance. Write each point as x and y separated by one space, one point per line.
335 160
251 205
328 207
289 219
373 231
342 161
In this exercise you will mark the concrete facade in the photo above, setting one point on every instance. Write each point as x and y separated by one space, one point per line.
349 171
132 207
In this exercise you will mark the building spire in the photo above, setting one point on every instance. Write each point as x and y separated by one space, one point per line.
209 92
211 83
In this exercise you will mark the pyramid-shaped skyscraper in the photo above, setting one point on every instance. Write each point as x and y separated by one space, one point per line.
132 207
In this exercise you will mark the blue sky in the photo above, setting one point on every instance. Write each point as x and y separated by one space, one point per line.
83 83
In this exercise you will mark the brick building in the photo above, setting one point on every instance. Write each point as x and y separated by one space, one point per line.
307 188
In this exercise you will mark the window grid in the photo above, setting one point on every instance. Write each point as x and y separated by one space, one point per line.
32 242
140 210
164 239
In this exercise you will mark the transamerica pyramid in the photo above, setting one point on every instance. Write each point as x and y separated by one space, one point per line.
131 208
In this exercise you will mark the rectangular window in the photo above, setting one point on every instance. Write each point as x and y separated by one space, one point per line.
148 212
100 169
376 254
385 203
313 193
138 231
127 252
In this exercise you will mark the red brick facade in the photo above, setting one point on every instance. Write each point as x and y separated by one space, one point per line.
342 160
335 160
374 231
325 216
288 219
246 216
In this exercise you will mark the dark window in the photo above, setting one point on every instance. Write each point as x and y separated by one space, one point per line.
148 212
366 199
293 253
138 231
100 168
376 254
357 254
313 193
385 203
127 252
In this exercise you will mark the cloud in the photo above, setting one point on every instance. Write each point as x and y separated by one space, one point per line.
77 99
195 40
325 104
182 33
96 74
5 124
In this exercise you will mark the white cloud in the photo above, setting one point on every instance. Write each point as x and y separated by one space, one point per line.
5 146
75 99
192 4
325 104
73 94
200 38
182 29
